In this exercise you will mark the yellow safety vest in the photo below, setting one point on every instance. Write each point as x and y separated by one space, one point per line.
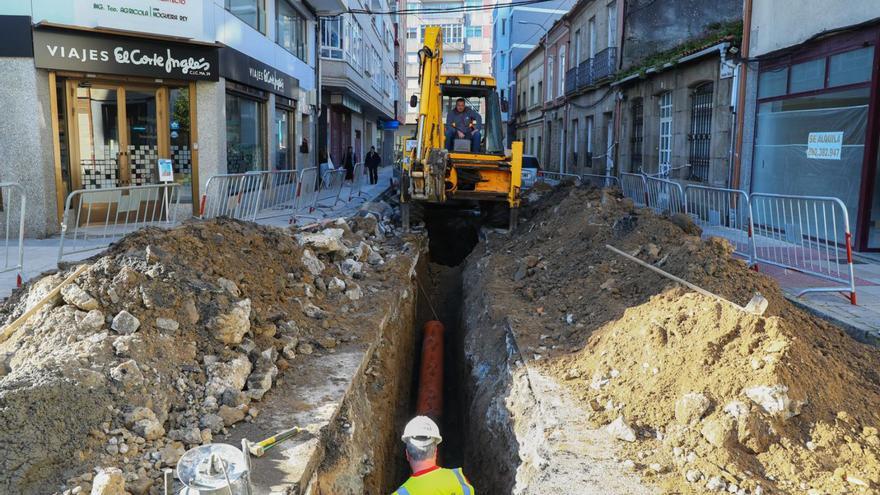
436 481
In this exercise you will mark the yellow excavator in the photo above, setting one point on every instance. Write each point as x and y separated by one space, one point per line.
463 171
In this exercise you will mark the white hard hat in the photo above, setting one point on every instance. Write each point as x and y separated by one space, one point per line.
421 431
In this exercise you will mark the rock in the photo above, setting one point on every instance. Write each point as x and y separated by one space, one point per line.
73 294
685 223
91 322
328 342
354 293
336 285
150 429
231 327
212 422
191 311
313 311
229 286
716 484
229 376
141 486
189 436
326 241
774 400
609 284
351 268
125 323
718 430
5 363
520 273
693 475
691 407
167 324
312 263
232 415
374 258
305 348
652 250
620 430
127 373
138 414
171 453
260 381
109 481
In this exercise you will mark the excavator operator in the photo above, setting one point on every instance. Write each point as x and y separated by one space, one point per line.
422 436
462 122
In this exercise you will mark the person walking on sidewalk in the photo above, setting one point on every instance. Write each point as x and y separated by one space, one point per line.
422 436
372 162
348 164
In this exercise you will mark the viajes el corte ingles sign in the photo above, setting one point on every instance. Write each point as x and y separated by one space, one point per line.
108 54
239 67
184 18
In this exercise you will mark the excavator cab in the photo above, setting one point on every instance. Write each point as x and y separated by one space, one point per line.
484 101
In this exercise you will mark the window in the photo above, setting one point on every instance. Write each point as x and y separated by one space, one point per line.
412 33
252 12
473 3
532 145
575 142
452 33
561 88
591 27
538 150
843 69
577 47
503 26
589 138
612 24
413 5
531 95
502 61
701 132
851 67
665 148
178 109
550 73
284 153
474 32
807 76
291 30
638 133
245 144
331 37
540 89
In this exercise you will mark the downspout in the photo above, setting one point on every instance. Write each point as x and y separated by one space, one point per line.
741 98
316 135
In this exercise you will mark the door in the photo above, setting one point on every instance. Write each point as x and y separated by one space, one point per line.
609 146
665 148
284 139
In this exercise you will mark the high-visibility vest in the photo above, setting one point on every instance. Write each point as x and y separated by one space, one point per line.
436 481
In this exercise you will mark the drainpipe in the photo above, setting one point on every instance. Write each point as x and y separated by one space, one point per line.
741 98
316 135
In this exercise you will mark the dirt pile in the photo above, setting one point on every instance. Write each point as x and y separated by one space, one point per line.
171 337
706 398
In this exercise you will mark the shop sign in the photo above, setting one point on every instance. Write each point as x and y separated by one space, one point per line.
824 145
249 71
182 18
108 54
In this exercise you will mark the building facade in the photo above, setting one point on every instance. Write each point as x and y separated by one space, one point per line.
528 110
467 41
516 30
811 115
359 89
97 93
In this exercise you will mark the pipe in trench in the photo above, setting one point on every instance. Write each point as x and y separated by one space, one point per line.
430 395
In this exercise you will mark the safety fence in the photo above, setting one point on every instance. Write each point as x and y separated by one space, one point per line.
554 178
723 213
634 187
94 218
357 184
599 181
664 196
595 180
307 195
279 194
330 188
14 203
250 196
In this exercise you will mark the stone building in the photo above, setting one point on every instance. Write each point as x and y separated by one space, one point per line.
529 109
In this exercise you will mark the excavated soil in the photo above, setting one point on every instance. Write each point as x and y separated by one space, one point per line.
702 396
172 336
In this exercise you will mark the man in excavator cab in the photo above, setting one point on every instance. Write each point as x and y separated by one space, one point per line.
463 123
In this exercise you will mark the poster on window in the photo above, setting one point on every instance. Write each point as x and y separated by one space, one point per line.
824 145
183 18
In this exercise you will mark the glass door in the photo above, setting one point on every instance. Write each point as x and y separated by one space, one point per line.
95 143
141 137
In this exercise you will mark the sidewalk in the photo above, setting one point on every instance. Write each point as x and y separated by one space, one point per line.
41 255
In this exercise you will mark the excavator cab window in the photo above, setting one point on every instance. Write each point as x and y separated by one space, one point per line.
485 102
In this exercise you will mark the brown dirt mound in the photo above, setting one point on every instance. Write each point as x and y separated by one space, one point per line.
171 337
719 399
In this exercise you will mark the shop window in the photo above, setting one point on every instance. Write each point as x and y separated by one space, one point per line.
331 38
474 31
851 67
252 12
638 133
772 83
181 154
245 134
808 76
291 29
700 137
665 148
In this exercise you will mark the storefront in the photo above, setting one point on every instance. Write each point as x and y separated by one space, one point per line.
119 105
817 126
261 110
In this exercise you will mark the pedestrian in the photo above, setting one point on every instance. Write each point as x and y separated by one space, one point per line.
422 436
348 163
373 161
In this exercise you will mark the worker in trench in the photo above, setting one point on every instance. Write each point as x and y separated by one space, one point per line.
421 437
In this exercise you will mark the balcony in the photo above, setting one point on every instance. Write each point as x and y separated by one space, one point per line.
571 81
605 64
585 74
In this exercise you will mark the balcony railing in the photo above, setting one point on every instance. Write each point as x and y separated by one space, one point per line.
571 81
605 63
585 74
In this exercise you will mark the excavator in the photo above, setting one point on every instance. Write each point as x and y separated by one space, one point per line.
490 175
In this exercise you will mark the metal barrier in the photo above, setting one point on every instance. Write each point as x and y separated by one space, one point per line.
555 178
331 187
13 201
279 195
664 196
635 188
94 218
808 234
307 194
237 196
599 181
354 192
722 213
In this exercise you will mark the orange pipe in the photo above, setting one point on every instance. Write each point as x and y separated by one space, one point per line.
430 398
